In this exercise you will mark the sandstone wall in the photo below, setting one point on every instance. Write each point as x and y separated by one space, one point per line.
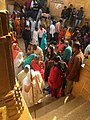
83 86
82 3
2 5
56 9
18 1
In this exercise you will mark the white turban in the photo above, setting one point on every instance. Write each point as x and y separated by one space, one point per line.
27 66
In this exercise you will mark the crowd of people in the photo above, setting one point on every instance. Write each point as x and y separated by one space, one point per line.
72 15
53 58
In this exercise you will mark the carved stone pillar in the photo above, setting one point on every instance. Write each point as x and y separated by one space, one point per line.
12 104
7 77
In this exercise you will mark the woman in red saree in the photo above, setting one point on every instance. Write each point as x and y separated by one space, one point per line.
61 34
61 46
55 79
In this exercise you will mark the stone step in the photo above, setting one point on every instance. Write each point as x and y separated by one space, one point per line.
46 100
62 110
80 113
49 104
88 118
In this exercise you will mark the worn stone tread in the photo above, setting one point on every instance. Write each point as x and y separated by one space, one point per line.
88 118
80 113
62 110
47 106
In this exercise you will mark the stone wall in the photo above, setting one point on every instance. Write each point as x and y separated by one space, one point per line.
83 86
82 3
18 1
56 9
2 5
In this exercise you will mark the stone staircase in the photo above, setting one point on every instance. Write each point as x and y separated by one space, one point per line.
54 109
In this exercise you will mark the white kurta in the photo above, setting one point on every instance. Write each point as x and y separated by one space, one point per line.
52 30
35 38
36 93
21 75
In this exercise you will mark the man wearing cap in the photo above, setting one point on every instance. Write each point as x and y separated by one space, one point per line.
74 67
